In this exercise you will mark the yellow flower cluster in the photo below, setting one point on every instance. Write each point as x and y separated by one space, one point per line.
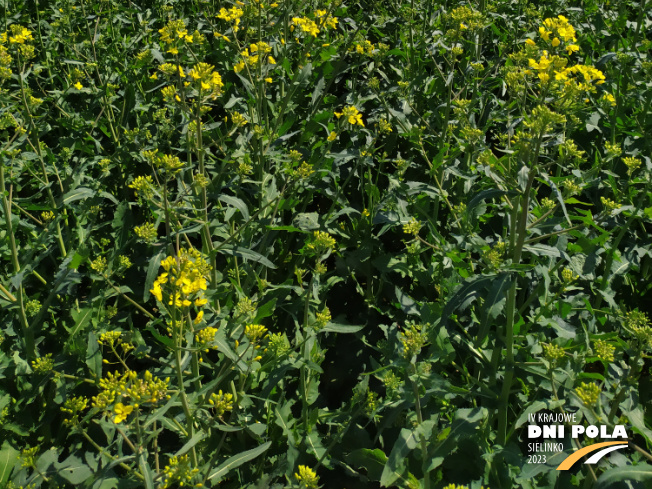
204 339
366 47
322 242
412 227
326 19
254 332
43 365
128 386
209 82
178 473
142 185
17 34
353 116
307 478
221 402
466 19
323 318
73 407
560 30
580 78
632 164
232 15
186 277
588 394
412 341
171 70
174 31
5 63
604 351
609 205
570 82
147 232
170 93
258 51
553 352
307 25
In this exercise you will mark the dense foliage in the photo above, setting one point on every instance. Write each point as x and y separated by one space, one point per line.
322 244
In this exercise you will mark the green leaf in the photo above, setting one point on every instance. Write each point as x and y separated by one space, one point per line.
636 418
306 221
641 473
464 425
396 466
73 470
81 318
238 460
471 289
146 471
247 254
196 438
372 460
8 459
164 340
152 271
77 259
237 203
78 193
265 310
315 446
495 302
341 328
94 356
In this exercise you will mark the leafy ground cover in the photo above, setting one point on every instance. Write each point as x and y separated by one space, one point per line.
323 244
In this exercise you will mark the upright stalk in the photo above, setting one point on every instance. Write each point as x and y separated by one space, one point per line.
518 240
28 335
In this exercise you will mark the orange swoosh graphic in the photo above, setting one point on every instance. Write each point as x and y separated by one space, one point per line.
571 459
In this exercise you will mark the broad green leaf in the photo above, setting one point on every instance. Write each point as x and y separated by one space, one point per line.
196 438
94 356
78 193
237 203
247 254
372 460
8 459
471 289
396 466
494 303
73 470
341 328
146 471
238 460
152 272
641 473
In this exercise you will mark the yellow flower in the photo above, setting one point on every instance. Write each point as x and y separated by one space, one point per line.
571 48
352 115
156 291
544 33
530 42
556 42
78 86
268 80
199 317
306 477
121 412
19 35
332 136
